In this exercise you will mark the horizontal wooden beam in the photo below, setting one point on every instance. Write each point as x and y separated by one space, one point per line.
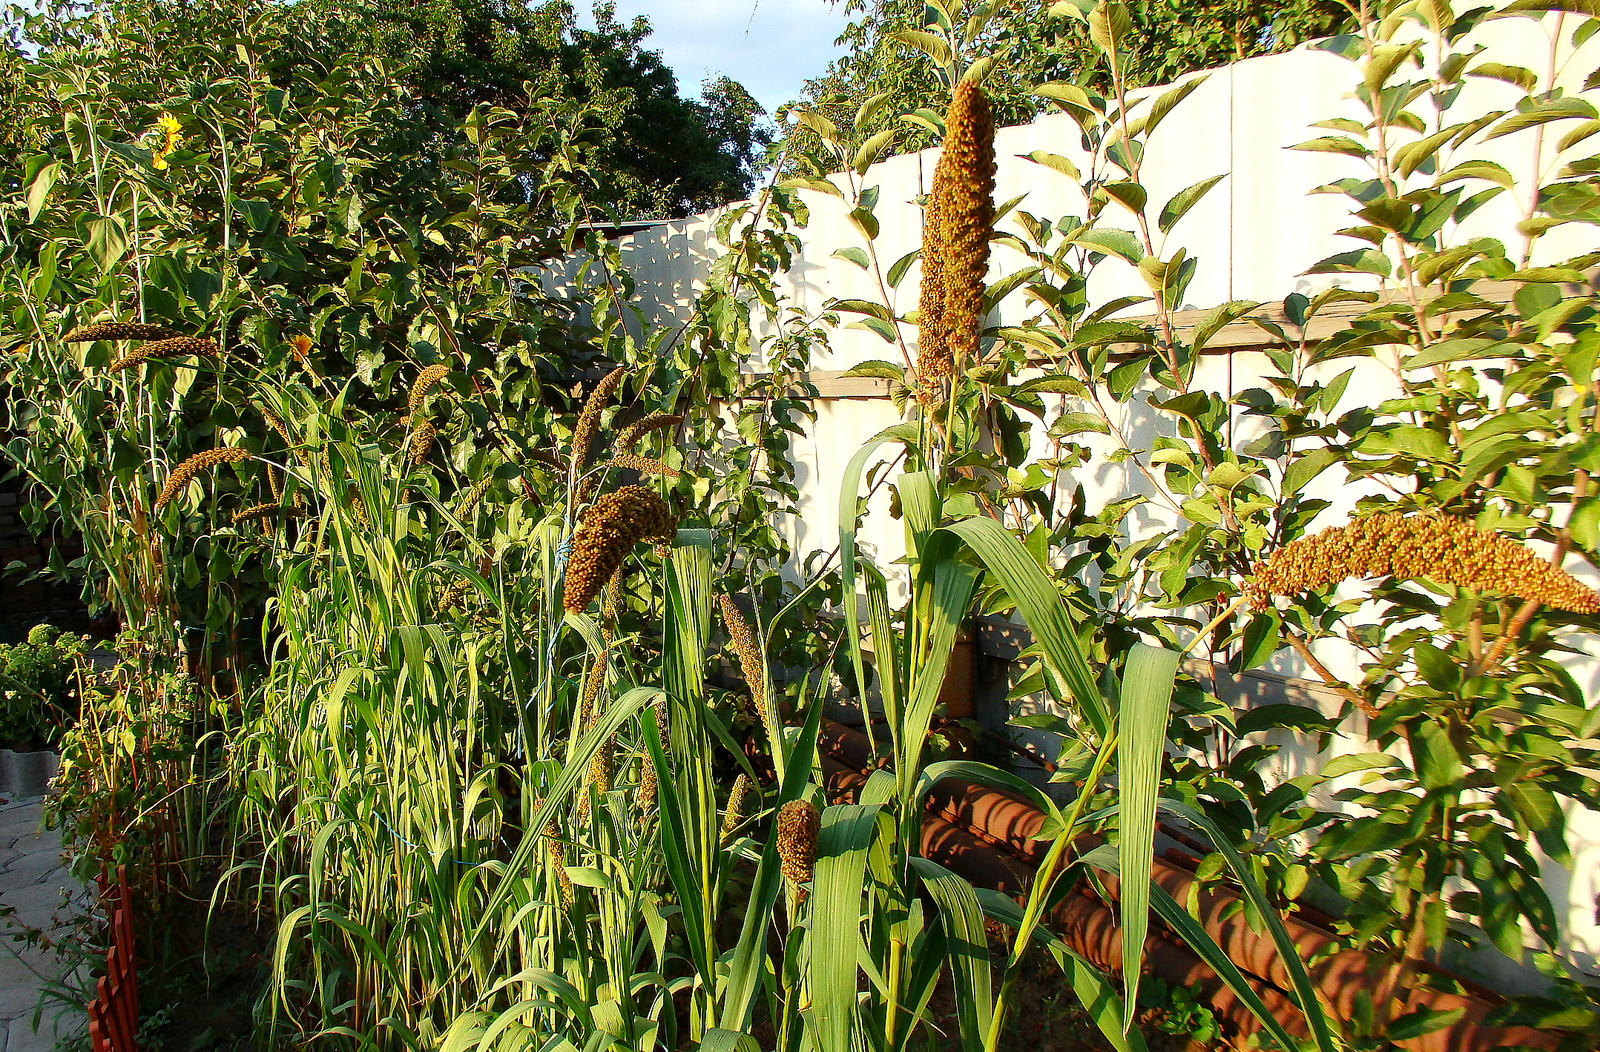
1241 335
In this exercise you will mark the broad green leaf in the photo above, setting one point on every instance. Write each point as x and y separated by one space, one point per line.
1216 318
1358 261
1069 95
1110 25
39 187
897 270
1439 767
1055 162
1543 112
1183 200
930 44
1486 170
879 369
1164 104
825 129
867 307
1334 144
869 152
1308 467
1524 78
107 240
1358 761
1422 1021
1123 243
853 254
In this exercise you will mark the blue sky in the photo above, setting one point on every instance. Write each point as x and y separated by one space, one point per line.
770 46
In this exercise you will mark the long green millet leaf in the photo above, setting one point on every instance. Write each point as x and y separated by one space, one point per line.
1146 694
838 883
1305 991
1041 607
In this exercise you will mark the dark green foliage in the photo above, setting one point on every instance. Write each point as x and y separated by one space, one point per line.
38 687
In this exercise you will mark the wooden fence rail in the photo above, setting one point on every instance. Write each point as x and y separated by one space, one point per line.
114 1012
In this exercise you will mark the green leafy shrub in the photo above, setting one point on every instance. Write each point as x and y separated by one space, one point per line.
39 683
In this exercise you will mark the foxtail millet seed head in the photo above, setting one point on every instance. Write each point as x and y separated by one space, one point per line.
422 437
637 430
555 852
739 801
649 788
451 597
798 824
118 330
751 662
193 466
593 680
1436 547
643 465
423 384
258 511
589 419
165 350
276 423
955 254
474 495
605 537
602 766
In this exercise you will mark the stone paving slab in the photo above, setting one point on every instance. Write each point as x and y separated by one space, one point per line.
35 882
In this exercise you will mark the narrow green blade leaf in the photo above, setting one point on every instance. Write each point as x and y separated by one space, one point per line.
1304 992
838 882
1041 608
1146 693
967 946
1094 990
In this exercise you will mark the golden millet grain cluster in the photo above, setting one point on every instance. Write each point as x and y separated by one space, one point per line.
955 240
201 461
556 854
1437 547
593 680
267 510
424 383
473 496
637 430
602 766
589 419
422 437
606 535
739 801
751 663
648 788
118 330
162 350
644 465
798 824
450 597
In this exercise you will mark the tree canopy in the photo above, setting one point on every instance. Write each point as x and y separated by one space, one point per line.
657 153
1031 43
